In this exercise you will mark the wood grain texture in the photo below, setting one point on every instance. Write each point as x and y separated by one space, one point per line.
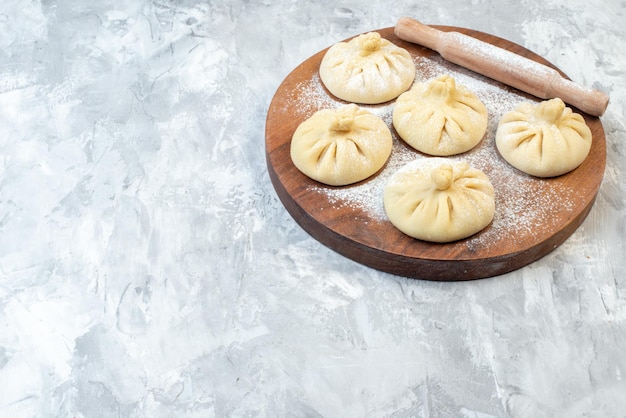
352 232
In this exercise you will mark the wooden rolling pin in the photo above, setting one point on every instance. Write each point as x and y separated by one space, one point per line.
502 65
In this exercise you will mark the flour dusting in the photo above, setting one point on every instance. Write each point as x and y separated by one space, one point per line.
523 202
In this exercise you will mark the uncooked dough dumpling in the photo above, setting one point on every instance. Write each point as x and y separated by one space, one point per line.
367 69
440 117
341 146
545 139
439 200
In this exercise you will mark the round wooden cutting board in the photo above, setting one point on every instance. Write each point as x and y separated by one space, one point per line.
533 216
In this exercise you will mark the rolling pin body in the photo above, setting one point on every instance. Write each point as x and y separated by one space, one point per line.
502 65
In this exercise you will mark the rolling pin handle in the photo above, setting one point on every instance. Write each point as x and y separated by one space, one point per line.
413 31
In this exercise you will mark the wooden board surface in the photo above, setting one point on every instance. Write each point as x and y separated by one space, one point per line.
533 216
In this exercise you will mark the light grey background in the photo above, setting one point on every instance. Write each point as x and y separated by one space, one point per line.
148 269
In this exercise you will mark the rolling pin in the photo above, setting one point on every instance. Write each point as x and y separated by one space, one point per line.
502 65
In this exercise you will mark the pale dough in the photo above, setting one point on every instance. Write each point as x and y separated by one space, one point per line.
439 200
440 117
341 146
545 139
367 69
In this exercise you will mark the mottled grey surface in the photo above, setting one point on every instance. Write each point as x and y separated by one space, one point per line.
148 269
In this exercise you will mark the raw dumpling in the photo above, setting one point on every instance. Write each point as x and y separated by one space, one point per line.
545 139
341 146
367 69
439 200
440 117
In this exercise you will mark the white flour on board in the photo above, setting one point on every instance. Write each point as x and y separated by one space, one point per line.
522 201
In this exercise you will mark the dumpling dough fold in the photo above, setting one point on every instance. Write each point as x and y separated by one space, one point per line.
341 146
367 69
439 200
440 117
545 139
